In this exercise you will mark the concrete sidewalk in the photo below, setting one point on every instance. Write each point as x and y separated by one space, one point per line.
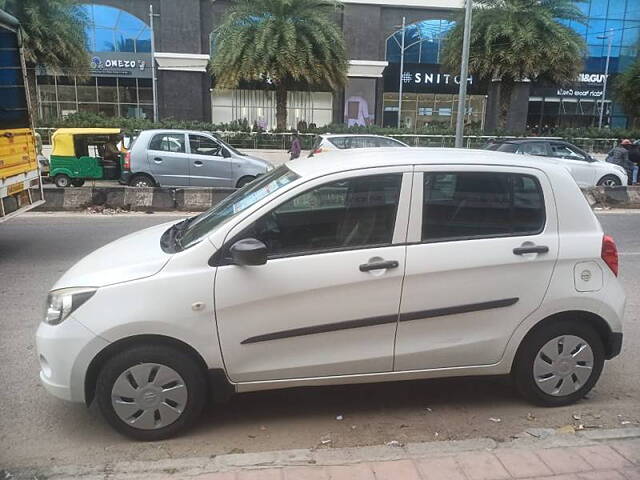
535 454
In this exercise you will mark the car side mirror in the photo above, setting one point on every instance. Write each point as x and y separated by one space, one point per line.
249 251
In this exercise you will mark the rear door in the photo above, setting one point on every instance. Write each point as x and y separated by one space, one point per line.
168 160
482 245
208 167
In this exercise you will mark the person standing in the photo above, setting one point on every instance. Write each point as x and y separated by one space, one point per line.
634 157
619 155
296 146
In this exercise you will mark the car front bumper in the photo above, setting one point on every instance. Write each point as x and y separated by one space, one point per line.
65 352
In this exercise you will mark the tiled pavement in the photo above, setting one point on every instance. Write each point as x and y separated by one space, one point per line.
617 460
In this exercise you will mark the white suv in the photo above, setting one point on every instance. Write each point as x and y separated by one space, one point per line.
398 264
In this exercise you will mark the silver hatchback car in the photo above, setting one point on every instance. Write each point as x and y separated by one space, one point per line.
185 158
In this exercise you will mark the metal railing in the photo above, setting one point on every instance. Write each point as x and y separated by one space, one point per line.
282 141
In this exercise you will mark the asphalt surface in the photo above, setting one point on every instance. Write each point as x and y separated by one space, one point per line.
37 429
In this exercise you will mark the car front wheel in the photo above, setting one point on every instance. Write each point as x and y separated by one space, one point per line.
559 363
151 392
609 181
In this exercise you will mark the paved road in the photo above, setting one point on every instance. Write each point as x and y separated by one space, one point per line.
36 429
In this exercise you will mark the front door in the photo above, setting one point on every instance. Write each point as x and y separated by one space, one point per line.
168 160
326 302
482 246
207 165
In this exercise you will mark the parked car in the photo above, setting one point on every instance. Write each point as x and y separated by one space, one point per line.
357 267
586 170
185 158
328 142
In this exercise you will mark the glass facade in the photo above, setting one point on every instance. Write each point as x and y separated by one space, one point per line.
422 42
59 96
422 109
114 30
120 85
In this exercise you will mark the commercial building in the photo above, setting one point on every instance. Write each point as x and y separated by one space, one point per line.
121 84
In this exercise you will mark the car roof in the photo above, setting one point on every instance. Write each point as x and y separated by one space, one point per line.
172 130
529 140
334 135
342 160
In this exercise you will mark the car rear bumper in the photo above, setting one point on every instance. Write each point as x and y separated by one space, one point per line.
124 178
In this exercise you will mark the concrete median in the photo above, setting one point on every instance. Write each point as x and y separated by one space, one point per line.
200 199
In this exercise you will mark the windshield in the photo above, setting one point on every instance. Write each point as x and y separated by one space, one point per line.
235 203
227 146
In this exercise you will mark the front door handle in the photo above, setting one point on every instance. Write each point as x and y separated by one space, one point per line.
197 163
157 160
367 267
531 249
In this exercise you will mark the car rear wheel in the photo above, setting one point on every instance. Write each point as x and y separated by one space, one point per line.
244 180
142 181
62 181
559 363
609 181
151 392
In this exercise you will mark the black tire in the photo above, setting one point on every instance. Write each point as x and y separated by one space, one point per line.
244 180
77 182
610 181
62 180
142 180
522 371
181 362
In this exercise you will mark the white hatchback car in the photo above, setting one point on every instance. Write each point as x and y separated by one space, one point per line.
398 264
328 142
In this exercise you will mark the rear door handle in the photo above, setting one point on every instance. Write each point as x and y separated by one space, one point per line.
157 160
531 249
367 267
197 163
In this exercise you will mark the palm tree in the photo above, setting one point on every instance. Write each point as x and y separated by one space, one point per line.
54 36
515 41
627 90
283 41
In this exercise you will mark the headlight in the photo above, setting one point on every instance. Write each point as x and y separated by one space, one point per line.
61 303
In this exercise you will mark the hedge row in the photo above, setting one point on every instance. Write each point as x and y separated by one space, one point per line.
86 119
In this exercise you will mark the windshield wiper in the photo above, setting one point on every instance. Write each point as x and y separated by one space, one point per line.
170 240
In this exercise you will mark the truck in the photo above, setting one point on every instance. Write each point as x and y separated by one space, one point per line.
20 182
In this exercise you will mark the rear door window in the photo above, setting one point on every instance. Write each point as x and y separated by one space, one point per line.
507 147
468 205
168 142
535 148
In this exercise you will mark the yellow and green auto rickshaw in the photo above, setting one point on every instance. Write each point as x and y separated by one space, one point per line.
81 154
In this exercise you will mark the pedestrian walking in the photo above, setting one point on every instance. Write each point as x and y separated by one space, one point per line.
296 146
619 155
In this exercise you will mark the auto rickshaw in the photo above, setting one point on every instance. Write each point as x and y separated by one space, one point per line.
81 154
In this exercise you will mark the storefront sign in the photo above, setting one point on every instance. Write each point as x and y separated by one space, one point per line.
120 64
426 78
587 85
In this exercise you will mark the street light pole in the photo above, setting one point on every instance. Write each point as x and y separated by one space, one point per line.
154 80
401 72
606 74
464 75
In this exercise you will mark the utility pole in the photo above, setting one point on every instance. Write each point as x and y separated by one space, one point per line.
154 80
464 75
606 74
401 72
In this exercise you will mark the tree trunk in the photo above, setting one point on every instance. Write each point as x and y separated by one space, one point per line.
281 107
518 108
32 94
492 115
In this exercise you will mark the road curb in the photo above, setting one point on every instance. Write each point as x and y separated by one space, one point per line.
198 199
133 198
188 467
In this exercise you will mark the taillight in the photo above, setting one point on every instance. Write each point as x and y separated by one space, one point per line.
317 150
610 253
126 164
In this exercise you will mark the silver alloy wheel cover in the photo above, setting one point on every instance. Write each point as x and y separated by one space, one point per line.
149 396
142 183
610 182
563 365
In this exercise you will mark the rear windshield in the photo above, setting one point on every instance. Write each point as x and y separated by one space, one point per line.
507 147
